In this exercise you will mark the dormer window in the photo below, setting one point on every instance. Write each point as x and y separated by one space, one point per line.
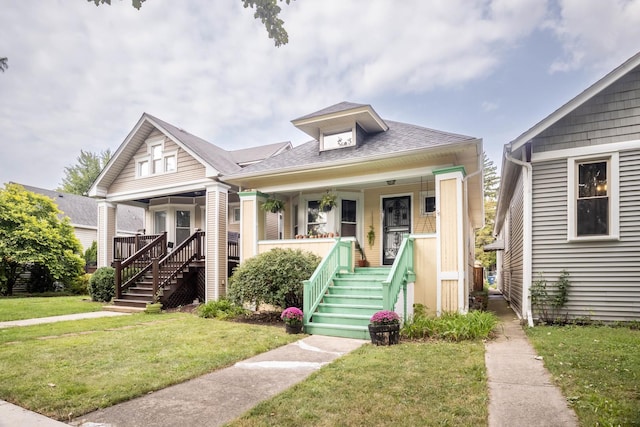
337 140
157 160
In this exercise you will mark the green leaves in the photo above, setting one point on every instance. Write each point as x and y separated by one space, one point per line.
79 177
31 232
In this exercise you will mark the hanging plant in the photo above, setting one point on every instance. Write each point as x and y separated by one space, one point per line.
328 201
273 205
371 236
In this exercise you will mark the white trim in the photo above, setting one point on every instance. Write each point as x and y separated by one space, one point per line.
590 150
163 190
613 189
462 265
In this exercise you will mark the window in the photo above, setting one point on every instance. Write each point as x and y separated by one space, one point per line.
316 218
235 215
348 218
337 140
427 203
593 198
157 160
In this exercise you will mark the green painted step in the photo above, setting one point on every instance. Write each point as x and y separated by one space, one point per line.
346 331
340 319
356 290
354 299
366 309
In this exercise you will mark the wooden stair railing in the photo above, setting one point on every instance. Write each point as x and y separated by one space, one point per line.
126 246
166 269
134 267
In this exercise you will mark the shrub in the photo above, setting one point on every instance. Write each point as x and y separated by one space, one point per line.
102 284
91 254
79 286
221 309
450 326
274 277
548 302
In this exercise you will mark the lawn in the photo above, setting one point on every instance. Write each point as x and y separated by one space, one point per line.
597 368
66 369
410 384
15 308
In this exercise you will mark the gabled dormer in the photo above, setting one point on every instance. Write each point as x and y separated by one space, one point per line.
341 126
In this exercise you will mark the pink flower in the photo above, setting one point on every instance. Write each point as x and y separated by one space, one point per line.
292 315
385 317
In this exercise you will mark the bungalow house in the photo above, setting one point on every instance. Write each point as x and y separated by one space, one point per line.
569 200
191 215
82 214
407 196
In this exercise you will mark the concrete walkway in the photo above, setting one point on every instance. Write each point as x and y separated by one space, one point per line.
53 319
520 389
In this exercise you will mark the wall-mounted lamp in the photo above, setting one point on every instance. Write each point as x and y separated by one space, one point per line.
391 182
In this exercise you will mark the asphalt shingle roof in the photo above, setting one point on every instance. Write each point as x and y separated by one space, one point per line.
401 137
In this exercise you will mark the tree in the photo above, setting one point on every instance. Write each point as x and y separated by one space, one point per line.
3 64
79 177
484 236
31 231
267 11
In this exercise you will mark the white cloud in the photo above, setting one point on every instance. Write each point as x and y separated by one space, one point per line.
489 106
596 33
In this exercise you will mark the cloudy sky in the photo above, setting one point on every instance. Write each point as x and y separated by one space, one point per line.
80 76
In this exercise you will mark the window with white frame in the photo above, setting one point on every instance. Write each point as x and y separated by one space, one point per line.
427 202
593 197
348 218
332 141
316 218
235 214
157 160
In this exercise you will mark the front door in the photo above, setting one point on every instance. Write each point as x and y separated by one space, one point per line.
396 222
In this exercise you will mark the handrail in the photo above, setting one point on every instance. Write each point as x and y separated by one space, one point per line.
173 263
401 272
126 246
129 270
338 258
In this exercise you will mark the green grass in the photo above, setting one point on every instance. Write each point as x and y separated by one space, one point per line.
66 369
410 384
15 308
597 368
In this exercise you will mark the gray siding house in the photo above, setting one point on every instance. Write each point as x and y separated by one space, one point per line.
570 200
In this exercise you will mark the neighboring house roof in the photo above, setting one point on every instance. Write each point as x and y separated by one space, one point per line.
247 156
399 139
510 170
83 211
217 161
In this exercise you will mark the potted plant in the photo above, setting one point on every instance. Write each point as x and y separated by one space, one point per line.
384 328
328 201
362 262
292 318
273 205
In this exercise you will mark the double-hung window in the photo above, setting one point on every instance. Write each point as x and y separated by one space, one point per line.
593 198
157 159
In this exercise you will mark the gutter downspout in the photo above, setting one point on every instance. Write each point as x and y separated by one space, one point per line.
526 232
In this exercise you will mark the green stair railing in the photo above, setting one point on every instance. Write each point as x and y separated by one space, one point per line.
339 258
402 272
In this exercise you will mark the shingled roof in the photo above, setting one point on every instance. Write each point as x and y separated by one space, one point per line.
398 139
83 211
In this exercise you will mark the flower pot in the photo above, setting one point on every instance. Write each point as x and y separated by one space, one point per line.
384 334
293 328
362 263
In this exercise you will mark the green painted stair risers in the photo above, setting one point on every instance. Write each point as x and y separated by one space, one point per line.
349 303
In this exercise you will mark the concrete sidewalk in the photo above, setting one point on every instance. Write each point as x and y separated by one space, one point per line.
520 389
221 396
53 319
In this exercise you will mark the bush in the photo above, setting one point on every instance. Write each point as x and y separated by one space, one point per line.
274 277
80 286
91 254
450 326
102 284
221 309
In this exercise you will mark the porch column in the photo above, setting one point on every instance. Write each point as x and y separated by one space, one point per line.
252 223
216 241
106 232
450 248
